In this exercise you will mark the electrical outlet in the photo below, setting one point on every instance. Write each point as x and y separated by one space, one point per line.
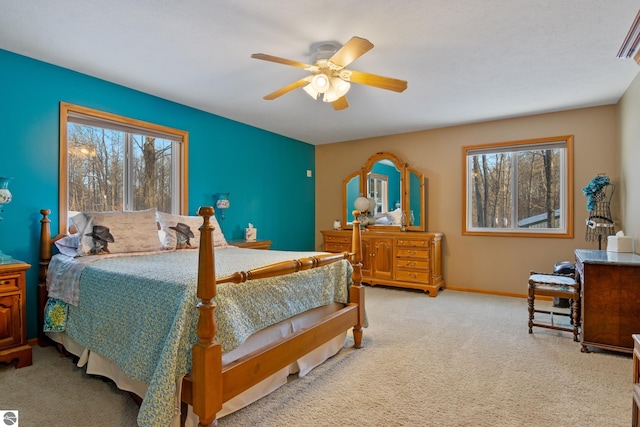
309 173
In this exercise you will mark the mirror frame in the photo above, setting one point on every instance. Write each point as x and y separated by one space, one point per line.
346 213
422 191
405 196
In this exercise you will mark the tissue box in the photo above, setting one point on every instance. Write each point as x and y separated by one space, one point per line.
250 234
619 244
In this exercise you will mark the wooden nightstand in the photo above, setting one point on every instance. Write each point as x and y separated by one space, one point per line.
258 244
13 317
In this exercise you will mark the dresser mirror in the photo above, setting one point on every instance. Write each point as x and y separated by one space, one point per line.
393 189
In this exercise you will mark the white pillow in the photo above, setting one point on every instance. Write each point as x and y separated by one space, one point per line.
117 232
395 217
182 232
68 245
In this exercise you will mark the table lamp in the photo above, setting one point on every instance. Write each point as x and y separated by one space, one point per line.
5 197
222 204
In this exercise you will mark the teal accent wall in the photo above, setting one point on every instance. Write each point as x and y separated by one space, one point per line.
265 173
393 183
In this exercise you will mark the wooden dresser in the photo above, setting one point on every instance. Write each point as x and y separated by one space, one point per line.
13 333
394 258
610 294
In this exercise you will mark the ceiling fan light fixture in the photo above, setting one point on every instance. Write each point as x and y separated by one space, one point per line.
311 91
320 83
341 86
328 80
338 89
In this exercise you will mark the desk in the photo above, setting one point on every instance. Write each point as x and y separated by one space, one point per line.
610 294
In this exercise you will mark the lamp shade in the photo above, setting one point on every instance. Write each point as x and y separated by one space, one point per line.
338 89
5 194
222 201
361 204
311 91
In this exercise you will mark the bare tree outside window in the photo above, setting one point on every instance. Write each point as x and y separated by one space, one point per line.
114 163
98 174
519 188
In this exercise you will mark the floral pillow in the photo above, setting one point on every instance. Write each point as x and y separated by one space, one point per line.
117 232
182 232
55 315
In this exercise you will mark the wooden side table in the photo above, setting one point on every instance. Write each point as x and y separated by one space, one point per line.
13 317
636 380
610 299
258 244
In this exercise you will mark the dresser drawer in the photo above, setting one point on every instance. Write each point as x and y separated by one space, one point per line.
336 247
413 253
413 243
338 239
9 283
413 276
412 263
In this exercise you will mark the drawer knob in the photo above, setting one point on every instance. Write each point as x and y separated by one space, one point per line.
5 282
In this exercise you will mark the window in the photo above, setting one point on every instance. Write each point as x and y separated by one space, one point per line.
520 188
109 162
378 191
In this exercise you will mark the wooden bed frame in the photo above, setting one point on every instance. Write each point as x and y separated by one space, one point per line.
210 384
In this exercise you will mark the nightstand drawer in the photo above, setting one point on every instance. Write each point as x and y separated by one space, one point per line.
9 283
413 276
412 263
414 243
256 244
413 253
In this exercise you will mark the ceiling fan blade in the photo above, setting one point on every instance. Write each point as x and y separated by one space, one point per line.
286 89
352 50
377 81
279 60
340 103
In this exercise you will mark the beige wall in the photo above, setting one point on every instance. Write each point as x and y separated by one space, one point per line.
629 108
493 264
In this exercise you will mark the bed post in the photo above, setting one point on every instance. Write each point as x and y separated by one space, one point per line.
45 257
356 292
207 353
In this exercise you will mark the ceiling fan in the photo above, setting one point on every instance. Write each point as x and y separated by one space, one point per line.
329 80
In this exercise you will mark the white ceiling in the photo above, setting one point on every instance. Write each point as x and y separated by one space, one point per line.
465 60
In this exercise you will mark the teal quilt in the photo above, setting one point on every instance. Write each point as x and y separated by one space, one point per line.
140 312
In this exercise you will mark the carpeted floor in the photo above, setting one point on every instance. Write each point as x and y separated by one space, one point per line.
460 359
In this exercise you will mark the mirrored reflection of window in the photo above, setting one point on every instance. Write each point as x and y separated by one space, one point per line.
378 192
520 188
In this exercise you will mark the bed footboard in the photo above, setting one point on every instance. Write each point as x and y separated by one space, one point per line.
210 384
